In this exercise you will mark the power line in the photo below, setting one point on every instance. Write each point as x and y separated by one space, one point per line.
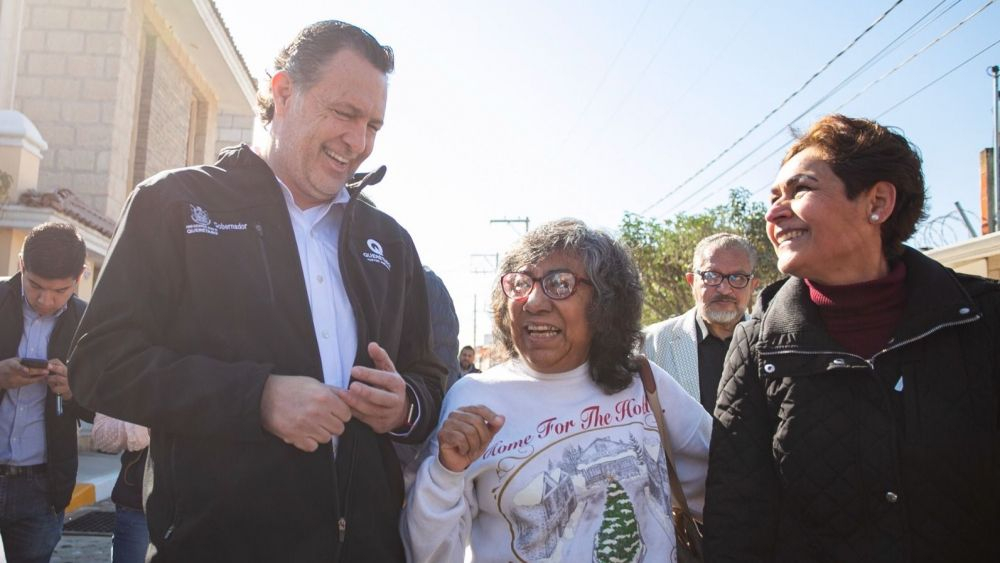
769 155
776 109
675 103
839 86
935 81
607 73
878 56
766 158
635 83
917 54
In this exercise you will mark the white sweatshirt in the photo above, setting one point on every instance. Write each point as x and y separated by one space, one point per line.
573 475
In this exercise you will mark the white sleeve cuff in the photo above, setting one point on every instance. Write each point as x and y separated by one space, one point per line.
416 405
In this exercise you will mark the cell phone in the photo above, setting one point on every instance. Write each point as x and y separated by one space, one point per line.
34 362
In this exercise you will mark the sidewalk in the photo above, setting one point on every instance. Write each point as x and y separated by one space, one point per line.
84 548
94 479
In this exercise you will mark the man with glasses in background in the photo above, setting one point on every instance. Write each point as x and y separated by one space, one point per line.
692 347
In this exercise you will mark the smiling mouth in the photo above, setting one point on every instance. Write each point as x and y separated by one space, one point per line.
541 330
792 234
336 157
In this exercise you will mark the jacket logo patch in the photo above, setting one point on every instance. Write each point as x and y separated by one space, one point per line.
375 256
202 223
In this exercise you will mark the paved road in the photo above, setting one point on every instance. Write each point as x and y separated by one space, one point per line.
85 549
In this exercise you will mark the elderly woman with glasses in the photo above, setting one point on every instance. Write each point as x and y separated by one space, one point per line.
858 416
554 454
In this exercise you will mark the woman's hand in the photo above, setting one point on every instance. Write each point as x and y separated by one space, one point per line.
465 434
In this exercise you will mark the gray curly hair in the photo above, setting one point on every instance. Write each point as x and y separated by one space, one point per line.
614 312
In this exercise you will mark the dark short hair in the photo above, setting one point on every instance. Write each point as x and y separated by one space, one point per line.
54 251
469 348
615 311
862 153
303 58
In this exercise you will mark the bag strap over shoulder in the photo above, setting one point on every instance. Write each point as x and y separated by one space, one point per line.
652 395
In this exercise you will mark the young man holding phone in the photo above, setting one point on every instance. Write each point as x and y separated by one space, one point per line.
39 313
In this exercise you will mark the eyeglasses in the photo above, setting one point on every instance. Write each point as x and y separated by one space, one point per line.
714 279
556 285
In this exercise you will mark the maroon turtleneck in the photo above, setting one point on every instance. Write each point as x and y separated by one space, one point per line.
861 317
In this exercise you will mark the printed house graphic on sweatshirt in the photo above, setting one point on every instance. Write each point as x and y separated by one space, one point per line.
549 503
605 458
541 521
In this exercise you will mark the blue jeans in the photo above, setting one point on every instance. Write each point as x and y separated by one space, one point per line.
30 527
131 538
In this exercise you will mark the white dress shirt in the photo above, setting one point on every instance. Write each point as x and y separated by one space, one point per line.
317 233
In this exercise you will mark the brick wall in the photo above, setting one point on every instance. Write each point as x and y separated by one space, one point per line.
233 129
77 77
165 112
80 79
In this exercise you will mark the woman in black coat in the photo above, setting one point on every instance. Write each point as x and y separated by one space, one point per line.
858 411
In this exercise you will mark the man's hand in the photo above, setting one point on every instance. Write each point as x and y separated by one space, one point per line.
302 411
14 375
465 434
58 380
377 397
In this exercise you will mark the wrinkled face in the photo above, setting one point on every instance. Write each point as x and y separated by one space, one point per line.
818 233
723 304
322 134
47 296
467 358
552 336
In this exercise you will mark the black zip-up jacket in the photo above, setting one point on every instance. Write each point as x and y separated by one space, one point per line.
201 298
821 455
60 430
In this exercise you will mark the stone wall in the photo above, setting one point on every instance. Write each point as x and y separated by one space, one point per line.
167 112
116 95
234 129
77 76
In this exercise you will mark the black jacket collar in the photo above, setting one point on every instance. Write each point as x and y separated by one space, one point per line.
789 319
242 161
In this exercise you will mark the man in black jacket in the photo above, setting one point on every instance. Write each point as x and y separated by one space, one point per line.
38 418
271 329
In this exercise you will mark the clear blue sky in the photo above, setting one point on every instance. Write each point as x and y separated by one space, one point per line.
589 109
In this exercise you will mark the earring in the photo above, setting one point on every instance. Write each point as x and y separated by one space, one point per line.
874 218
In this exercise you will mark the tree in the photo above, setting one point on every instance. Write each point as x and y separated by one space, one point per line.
663 250
619 538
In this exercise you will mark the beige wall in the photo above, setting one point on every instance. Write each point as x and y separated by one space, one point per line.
80 80
77 73
233 130
11 241
978 256
165 112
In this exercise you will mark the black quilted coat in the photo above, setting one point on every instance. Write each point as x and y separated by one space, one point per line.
821 455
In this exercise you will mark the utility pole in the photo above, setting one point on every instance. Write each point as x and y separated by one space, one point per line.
487 258
508 221
994 71
481 264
